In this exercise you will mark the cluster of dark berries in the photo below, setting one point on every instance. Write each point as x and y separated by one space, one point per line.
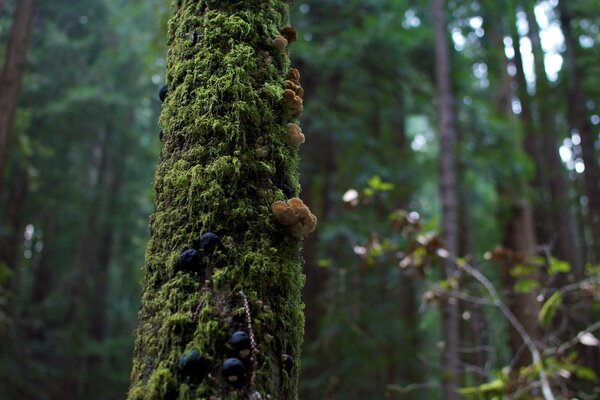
192 259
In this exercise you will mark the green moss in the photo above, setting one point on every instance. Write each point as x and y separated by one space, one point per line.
225 92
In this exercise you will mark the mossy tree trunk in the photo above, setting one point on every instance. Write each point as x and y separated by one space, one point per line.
228 163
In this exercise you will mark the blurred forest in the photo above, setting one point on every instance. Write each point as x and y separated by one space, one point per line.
452 157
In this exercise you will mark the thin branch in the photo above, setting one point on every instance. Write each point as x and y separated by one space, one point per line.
527 340
573 341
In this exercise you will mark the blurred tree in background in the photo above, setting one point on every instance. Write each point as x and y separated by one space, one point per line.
76 197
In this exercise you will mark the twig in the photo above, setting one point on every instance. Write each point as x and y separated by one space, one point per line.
573 341
253 348
527 340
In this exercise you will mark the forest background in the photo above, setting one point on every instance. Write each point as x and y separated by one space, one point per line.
524 89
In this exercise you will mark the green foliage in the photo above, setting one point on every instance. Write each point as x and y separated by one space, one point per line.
549 309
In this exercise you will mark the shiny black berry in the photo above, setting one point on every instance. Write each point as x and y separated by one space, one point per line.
240 341
190 260
162 93
234 372
193 365
209 242
288 362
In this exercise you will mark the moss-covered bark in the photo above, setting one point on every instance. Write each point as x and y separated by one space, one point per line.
226 158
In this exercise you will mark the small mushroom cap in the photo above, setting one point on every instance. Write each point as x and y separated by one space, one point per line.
234 372
209 242
294 75
295 134
290 34
190 260
280 43
162 93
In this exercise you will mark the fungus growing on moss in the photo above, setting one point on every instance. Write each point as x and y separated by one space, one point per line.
190 260
240 341
295 216
294 102
289 34
293 75
209 242
288 362
295 135
234 372
193 365
162 93
280 43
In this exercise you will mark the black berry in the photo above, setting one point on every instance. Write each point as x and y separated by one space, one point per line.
287 191
234 372
160 135
240 341
190 260
288 362
193 365
209 242
162 93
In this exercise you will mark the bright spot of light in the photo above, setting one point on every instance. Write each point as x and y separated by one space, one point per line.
553 63
418 142
410 19
156 79
528 60
29 231
576 139
350 195
579 166
304 8
586 42
459 40
476 22
595 119
360 250
565 153
516 106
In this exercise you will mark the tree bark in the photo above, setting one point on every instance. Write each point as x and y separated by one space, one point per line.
224 106
561 229
580 123
12 72
447 128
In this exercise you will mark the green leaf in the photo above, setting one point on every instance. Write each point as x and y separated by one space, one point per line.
549 309
521 270
526 285
558 266
494 387
585 373
377 184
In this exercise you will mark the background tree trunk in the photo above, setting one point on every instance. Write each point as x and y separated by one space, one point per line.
10 80
225 97
447 129
579 123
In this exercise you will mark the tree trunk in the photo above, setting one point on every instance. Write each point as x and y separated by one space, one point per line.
561 226
579 123
10 80
447 128
225 149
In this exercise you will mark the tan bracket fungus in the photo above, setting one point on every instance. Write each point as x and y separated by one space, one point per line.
295 216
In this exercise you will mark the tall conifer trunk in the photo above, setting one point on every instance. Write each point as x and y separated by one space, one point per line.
226 156
447 128
12 72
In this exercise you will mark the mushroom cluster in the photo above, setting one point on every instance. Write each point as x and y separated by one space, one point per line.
295 216
295 135
293 93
